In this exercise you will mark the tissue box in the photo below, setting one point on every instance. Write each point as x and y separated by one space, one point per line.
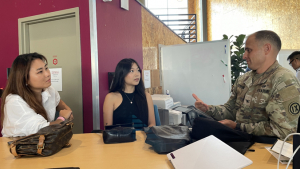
174 117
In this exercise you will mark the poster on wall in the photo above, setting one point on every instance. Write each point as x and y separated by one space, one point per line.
56 78
147 79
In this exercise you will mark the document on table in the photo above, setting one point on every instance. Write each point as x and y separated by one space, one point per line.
283 159
286 154
287 148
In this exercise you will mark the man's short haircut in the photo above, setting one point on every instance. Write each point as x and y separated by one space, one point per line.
293 55
266 35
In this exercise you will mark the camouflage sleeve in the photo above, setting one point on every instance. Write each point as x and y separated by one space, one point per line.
282 109
226 111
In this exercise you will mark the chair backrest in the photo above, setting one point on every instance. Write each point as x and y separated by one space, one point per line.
296 143
138 124
56 115
157 118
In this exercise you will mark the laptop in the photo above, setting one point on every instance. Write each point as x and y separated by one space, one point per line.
208 153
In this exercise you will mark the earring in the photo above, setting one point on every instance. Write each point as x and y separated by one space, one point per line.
26 84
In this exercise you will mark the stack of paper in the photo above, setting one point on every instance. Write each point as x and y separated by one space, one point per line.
286 154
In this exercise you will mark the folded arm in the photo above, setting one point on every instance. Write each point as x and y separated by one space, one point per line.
21 120
283 111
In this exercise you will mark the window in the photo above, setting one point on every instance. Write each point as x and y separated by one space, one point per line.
167 10
159 7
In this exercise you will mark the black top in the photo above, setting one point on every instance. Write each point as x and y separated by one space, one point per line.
126 112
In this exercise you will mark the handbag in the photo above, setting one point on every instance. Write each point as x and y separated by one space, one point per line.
47 141
167 138
120 133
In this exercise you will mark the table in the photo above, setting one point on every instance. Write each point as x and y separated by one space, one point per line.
88 151
262 159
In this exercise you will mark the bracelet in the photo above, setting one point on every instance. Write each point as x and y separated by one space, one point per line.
61 118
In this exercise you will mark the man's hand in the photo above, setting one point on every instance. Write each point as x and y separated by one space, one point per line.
228 123
199 104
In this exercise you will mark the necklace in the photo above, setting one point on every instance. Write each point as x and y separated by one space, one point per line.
128 98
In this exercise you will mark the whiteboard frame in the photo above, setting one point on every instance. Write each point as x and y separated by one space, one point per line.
161 48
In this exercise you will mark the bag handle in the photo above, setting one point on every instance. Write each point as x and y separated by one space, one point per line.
13 150
41 144
67 145
70 123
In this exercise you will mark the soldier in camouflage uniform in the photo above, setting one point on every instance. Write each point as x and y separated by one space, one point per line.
264 101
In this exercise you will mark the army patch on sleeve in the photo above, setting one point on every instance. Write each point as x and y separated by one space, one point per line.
294 108
281 86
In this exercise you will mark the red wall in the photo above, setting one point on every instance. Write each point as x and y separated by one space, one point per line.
119 36
11 10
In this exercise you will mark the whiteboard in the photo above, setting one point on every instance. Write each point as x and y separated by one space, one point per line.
282 58
197 68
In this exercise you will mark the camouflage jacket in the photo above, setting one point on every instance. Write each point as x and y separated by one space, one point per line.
267 106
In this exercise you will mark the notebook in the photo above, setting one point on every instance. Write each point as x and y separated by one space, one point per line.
208 153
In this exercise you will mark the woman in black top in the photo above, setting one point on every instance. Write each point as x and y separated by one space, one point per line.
127 98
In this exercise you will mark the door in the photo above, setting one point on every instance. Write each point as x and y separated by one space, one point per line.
56 36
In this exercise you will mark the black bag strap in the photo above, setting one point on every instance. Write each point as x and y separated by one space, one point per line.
241 147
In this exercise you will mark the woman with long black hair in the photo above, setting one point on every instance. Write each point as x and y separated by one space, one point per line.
127 98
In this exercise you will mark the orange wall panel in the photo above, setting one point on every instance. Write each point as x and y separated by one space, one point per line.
154 33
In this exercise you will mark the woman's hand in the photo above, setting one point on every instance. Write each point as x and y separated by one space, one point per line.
71 117
66 114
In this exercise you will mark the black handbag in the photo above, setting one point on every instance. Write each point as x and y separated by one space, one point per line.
120 133
165 139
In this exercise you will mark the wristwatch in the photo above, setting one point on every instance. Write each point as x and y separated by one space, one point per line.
238 127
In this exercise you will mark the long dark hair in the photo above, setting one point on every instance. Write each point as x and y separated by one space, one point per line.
118 84
17 80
